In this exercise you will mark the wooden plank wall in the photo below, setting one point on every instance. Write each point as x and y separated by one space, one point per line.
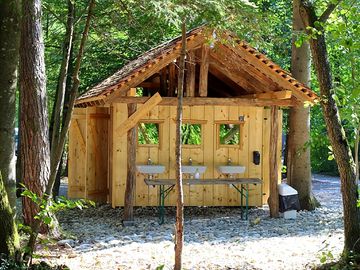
89 154
255 137
77 154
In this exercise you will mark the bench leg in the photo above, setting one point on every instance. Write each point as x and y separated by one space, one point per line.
161 204
247 202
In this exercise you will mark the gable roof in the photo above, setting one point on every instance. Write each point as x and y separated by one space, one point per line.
158 57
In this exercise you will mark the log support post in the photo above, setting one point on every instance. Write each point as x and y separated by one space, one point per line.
204 68
274 155
190 74
131 168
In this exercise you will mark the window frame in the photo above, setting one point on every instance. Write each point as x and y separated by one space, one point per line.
160 130
195 122
241 134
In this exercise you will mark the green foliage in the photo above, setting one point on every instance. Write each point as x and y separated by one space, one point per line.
160 267
122 30
148 133
326 256
48 208
191 134
7 263
229 134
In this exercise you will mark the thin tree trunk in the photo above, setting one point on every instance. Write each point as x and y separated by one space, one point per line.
62 90
357 141
274 136
34 127
298 159
57 149
131 171
9 239
179 236
340 145
9 57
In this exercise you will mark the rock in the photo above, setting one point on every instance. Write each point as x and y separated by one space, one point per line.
128 223
66 243
85 247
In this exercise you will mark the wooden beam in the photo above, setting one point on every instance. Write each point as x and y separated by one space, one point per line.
224 79
140 113
149 85
217 68
155 66
99 115
204 69
286 94
197 101
276 75
190 74
274 135
131 169
244 72
80 135
163 81
172 80
131 92
236 63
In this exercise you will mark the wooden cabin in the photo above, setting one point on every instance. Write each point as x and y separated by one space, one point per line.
229 87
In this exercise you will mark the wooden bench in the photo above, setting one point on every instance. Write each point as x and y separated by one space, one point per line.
243 189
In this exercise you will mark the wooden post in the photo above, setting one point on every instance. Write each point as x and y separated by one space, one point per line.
179 225
131 168
190 74
273 160
163 82
204 68
172 80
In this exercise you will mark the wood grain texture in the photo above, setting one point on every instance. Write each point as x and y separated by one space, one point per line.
131 121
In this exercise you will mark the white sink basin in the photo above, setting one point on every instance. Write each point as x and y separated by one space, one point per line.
192 169
150 169
231 169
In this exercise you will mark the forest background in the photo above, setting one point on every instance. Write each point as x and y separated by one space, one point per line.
122 30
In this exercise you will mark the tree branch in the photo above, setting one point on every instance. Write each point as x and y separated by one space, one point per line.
326 14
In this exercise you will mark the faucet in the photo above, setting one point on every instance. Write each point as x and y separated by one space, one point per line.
229 161
149 162
190 161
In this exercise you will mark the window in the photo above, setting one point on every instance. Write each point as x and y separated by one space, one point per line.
229 134
148 133
191 134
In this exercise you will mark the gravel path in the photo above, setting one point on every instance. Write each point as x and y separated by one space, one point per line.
215 237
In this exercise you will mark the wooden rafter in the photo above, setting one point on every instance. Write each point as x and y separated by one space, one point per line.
204 69
235 75
274 72
190 74
286 94
228 55
225 79
197 101
150 69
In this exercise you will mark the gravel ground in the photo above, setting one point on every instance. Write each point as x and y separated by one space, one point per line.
215 237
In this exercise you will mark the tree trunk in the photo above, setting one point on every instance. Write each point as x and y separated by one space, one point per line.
34 127
9 57
274 136
131 170
62 90
356 148
58 144
340 145
298 159
179 235
9 239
